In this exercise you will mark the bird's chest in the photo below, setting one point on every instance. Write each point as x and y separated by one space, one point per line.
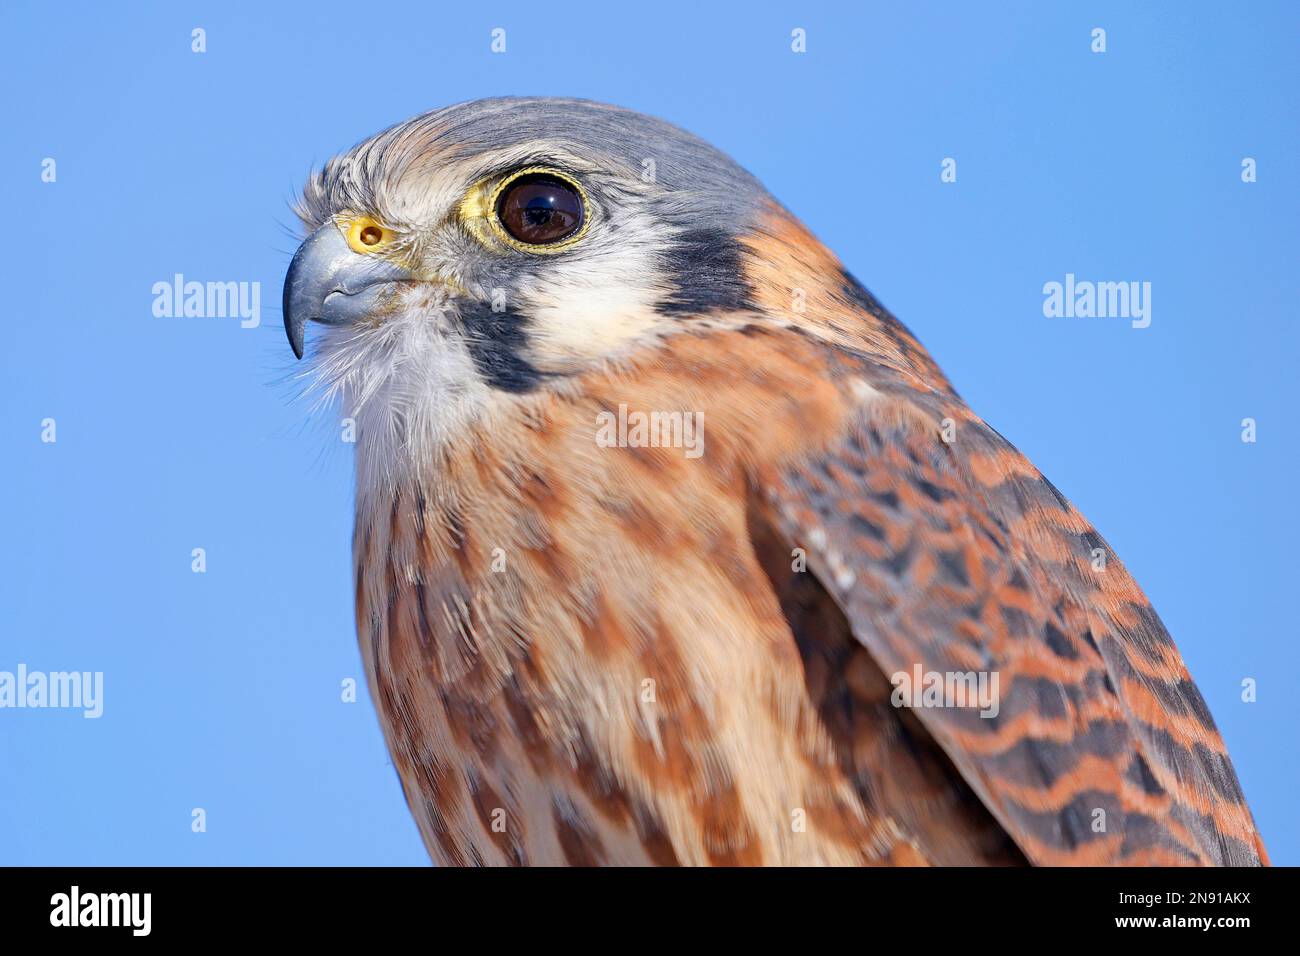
573 648
573 678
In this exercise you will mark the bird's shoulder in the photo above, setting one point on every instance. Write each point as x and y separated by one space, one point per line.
951 554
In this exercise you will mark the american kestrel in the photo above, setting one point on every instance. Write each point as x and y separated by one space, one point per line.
674 547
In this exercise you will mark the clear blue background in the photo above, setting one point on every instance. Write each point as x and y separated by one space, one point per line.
222 689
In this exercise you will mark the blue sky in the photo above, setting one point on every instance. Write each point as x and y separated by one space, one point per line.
222 689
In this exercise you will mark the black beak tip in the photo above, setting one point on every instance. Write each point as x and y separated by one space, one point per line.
292 321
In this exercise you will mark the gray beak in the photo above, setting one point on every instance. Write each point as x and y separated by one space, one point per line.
330 283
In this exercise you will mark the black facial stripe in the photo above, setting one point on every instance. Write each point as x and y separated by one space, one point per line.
705 267
496 341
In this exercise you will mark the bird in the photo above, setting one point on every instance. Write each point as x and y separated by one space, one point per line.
674 547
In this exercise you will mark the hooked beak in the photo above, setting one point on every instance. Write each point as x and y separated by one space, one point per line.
330 283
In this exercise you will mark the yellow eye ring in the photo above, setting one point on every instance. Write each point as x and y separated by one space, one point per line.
502 233
366 236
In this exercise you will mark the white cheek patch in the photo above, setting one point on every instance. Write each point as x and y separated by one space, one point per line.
596 303
574 325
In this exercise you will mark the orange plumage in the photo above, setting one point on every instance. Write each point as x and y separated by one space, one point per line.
588 653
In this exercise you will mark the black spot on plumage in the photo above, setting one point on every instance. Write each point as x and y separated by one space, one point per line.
1092 541
1197 703
954 563
1139 772
1184 762
1148 636
496 342
1060 644
1071 826
1056 493
1150 624
1036 762
863 525
898 563
1018 623
1050 701
705 269
887 498
1170 696
1219 769
933 491
1142 833
1073 829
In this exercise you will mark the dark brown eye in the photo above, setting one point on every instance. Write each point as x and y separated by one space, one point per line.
539 209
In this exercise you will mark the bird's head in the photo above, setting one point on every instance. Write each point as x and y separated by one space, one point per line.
498 247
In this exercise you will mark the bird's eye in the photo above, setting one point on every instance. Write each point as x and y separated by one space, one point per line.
540 209
367 236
